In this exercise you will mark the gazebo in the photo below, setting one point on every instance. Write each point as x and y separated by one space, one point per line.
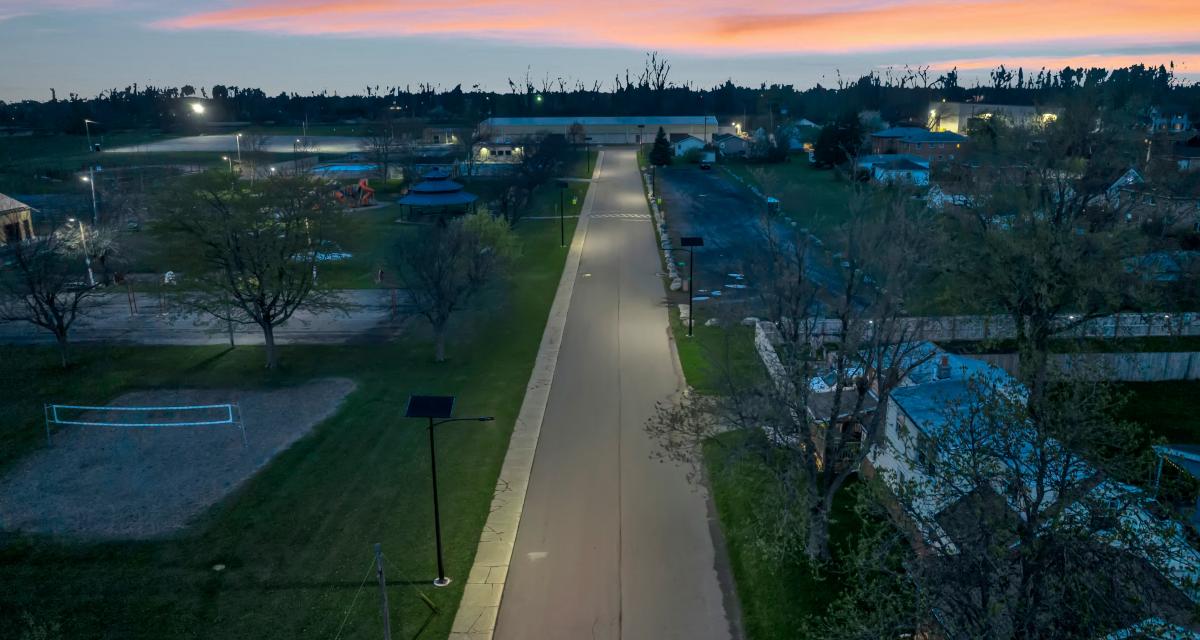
437 191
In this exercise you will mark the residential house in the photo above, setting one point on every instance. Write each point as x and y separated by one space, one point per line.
731 145
901 171
895 168
16 220
1173 120
1174 202
682 143
933 146
1186 154
919 415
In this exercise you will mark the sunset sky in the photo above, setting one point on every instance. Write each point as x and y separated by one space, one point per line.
342 45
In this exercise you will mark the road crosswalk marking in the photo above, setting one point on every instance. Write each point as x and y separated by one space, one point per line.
622 216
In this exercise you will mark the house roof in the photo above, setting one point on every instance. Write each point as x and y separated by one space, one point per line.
677 138
930 400
869 161
633 121
917 134
820 405
8 204
902 164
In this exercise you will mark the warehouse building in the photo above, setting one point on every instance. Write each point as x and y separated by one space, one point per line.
601 129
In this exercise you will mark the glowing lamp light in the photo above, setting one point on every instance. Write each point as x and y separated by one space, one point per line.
197 108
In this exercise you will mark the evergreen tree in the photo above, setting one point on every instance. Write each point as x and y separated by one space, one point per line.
660 154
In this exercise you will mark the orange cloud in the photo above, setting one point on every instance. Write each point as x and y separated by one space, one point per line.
711 26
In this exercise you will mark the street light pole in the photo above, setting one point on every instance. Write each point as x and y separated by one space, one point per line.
87 259
691 242
438 410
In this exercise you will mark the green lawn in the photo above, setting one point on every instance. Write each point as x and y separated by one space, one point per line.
297 537
775 596
814 198
577 165
714 353
1165 409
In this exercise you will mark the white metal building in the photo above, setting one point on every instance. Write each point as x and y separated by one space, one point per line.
605 129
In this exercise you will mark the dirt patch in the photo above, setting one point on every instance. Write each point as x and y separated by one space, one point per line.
106 482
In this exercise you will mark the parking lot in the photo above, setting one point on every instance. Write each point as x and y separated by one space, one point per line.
730 218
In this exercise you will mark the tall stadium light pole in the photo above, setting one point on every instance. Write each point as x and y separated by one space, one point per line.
238 138
87 129
87 259
691 242
438 410
90 178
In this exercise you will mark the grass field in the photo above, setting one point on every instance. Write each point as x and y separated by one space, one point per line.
814 198
775 596
296 540
712 353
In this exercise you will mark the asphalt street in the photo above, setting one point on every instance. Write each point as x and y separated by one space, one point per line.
612 542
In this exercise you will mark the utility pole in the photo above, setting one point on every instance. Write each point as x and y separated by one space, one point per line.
387 620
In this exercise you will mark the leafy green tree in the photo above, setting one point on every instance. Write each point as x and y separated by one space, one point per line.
660 153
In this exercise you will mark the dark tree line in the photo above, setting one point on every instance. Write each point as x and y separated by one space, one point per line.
899 95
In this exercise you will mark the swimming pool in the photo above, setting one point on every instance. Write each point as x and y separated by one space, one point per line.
346 168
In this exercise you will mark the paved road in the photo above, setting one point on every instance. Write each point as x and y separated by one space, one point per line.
368 317
612 543
729 218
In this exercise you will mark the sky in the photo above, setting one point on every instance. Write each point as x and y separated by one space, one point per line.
87 46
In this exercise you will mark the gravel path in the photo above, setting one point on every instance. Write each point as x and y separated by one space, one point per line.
107 482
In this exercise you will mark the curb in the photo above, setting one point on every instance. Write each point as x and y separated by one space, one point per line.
480 604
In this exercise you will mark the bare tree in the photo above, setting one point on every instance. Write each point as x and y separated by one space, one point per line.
381 143
1031 538
442 270
1039 243
47 284
255 248
852 332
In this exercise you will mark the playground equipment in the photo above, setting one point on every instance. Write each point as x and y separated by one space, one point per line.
356 195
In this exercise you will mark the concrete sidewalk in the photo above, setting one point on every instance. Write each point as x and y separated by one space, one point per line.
368 316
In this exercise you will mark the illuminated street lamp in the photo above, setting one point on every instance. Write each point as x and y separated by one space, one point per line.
230 161
197 108
88 130
90 178
438 410
87 259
